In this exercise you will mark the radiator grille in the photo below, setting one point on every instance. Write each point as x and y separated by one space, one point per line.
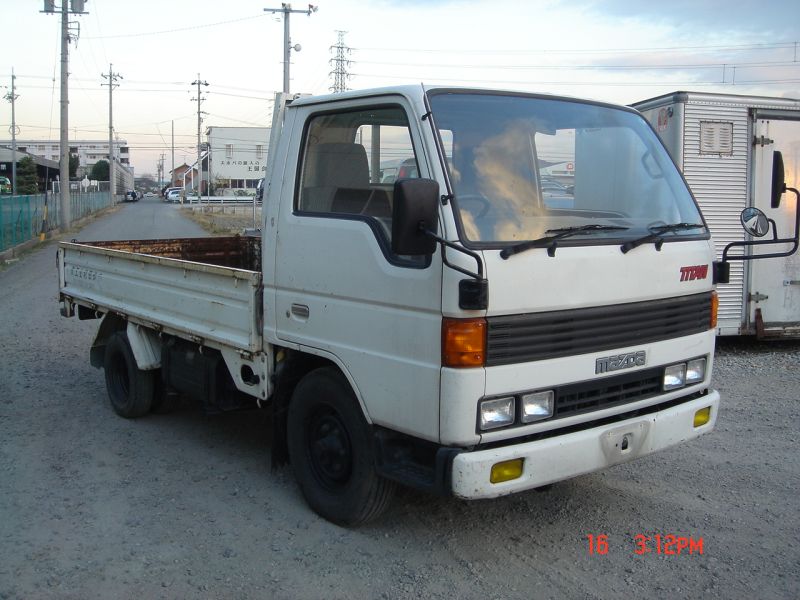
588 396
525 338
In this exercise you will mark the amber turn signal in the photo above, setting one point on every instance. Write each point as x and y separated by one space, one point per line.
506 470
463 342
714 309
702 416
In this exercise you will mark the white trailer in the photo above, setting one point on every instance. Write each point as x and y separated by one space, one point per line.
724 145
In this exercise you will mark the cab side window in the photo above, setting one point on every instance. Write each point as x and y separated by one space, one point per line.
350 162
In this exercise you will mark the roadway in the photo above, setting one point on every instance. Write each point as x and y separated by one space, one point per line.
149 218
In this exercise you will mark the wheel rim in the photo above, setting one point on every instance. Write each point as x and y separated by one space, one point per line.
329 449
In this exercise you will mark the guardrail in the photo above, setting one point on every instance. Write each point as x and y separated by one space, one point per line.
228 200
23 218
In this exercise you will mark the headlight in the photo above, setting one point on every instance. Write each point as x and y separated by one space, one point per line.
537 406
674 377
695 371
497 412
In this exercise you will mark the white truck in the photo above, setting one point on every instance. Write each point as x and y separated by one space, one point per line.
725 145
452 332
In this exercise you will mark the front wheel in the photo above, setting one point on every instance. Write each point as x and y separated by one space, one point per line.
330 447
130 389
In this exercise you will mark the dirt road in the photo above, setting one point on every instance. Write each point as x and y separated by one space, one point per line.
185 506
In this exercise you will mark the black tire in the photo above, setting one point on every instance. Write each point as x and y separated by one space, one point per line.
331 451
130 389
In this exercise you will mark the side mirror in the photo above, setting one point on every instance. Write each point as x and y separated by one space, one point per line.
415 209
778 179
754 222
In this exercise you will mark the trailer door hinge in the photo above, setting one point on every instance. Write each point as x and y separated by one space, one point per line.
757 297
760 140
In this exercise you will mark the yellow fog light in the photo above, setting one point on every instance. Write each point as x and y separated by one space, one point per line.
701 417
506 470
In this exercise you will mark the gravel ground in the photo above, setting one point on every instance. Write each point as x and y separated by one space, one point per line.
185 506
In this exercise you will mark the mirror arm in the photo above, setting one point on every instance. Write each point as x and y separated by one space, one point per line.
795 241
445 244
774 229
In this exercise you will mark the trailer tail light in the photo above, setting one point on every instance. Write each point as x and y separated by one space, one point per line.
714 309
463 342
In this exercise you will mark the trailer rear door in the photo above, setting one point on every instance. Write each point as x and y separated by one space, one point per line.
775 283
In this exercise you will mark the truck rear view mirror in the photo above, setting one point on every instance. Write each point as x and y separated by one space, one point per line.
754 222
778 179
415 210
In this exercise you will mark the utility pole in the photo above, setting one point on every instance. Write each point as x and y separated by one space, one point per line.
172 172
63 169
287 10
198 82
112 83
12 97
76 8
340 64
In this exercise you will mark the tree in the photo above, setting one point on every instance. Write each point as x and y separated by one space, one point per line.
27 180
100 171
74 163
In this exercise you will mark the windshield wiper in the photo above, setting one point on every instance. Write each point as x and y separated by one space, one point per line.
655 235
551 241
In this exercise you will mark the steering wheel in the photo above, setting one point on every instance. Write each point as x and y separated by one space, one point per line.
483 201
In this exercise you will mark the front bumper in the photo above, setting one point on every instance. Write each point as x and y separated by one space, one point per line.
569 455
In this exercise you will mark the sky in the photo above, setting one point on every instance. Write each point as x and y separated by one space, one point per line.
617 51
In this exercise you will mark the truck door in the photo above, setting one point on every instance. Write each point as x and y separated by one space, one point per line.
775 283
340 292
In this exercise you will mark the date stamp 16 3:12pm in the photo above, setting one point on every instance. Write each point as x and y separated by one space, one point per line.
667 544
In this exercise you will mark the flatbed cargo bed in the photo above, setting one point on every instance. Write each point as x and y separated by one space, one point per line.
207 290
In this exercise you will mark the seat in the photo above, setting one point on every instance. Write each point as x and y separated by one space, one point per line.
336 178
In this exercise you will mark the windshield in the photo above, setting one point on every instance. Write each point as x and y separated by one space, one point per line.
523 165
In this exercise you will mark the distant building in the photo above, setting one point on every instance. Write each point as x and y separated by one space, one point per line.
46 170
184 176
88 153
238 158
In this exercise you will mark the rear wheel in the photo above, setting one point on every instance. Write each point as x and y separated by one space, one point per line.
130 389
330 447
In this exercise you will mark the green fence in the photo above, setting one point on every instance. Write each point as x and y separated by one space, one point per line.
24 217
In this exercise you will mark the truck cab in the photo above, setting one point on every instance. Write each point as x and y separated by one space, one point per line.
528 343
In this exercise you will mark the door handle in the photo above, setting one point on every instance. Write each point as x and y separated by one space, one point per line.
300 311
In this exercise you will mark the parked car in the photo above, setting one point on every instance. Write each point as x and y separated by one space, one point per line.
5 185
556 195
174 194
130 196
406 169
165 192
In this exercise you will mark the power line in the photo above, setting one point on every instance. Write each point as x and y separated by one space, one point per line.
529 82
176 30
620 67
551 52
